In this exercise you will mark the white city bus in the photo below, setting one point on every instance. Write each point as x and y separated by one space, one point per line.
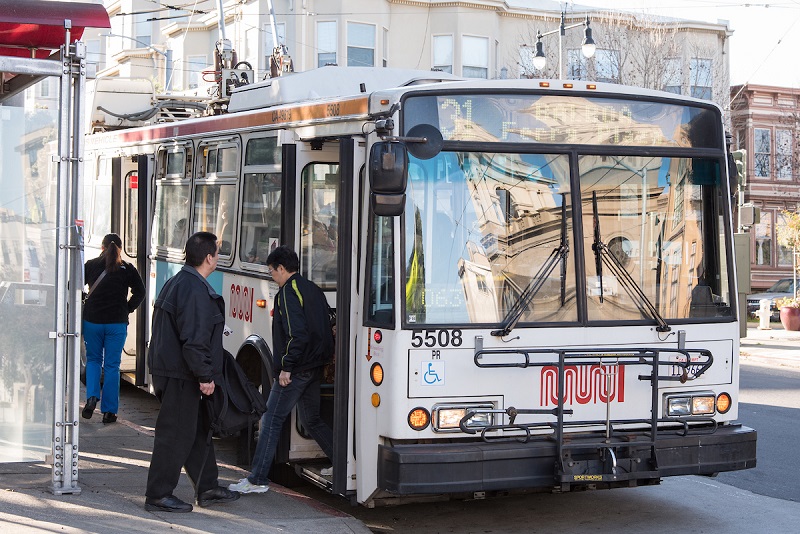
534 280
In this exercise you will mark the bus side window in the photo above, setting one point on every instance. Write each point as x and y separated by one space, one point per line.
261 217
213 211
260 231
319 216
380 307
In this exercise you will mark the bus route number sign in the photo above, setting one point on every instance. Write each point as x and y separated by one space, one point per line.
436 338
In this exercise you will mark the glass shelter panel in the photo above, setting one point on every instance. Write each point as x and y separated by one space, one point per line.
481 230
27 281
660 221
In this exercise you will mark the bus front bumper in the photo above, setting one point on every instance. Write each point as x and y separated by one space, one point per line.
427 469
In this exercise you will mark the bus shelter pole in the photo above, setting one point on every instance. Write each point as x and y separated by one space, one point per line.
68 271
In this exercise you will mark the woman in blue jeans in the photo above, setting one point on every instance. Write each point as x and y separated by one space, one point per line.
105 324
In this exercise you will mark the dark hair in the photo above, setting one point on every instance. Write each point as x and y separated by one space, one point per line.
285 256
198 246
113 252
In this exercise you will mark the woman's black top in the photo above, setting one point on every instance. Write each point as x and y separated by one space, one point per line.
108 303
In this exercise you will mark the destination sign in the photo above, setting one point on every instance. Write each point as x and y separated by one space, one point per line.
565 119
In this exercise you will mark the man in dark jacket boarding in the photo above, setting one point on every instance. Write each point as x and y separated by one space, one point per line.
302 342
185 358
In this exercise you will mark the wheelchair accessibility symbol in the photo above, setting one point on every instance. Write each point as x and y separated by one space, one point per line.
432 373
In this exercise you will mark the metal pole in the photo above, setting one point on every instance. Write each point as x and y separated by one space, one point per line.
170 70
64 449
562 32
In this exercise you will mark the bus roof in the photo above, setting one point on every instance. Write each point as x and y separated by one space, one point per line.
327 82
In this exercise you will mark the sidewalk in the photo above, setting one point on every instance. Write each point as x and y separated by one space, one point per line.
113 472
774 347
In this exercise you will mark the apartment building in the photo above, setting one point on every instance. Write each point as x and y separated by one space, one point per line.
765 121
470 38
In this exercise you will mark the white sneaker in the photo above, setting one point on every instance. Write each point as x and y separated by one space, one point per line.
245 486
326 471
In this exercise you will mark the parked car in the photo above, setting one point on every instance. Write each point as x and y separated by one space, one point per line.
780 289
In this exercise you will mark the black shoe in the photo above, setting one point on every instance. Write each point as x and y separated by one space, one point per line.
109 417
170 503
88 409
217 495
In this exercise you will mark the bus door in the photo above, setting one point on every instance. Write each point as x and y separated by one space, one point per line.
319 221
136 204
128 200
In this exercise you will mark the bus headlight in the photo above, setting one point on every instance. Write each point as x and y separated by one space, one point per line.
446 417
681 405
678 406
703 405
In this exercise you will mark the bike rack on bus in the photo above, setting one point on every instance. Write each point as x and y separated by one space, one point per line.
620 468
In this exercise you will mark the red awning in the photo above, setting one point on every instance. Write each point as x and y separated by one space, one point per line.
37 26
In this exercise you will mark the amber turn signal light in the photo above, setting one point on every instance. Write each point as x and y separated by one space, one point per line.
723 402
419 418
376 373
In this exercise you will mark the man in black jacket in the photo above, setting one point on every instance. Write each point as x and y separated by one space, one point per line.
302 342
185 358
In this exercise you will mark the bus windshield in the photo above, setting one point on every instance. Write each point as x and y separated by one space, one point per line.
482 228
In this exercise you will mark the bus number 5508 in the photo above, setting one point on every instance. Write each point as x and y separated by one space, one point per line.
433 338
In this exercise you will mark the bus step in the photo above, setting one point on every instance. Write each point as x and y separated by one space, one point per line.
312 473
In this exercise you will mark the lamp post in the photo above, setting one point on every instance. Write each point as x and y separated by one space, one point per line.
167 56
588 46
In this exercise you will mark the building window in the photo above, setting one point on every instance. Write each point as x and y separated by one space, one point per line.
700 70
93 54
474 57
784 253
607 65
142 28
783 154
763 148
576 65
360 45
280 29
195 66
326 43
44 88
386 47
526 68
672 75
443 53
763 237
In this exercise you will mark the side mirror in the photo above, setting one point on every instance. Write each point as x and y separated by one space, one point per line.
388 177
388 168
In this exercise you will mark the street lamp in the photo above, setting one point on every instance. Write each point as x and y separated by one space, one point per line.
588 46
167 56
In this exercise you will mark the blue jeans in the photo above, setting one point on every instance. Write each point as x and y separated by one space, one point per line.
303 391
104 344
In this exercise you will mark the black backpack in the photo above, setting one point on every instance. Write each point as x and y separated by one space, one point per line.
236 403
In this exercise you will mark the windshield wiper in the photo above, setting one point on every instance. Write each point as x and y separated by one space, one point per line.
604 256
558 254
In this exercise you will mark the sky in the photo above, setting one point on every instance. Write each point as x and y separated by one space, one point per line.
766 36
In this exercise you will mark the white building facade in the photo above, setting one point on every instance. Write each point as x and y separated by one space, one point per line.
470 38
